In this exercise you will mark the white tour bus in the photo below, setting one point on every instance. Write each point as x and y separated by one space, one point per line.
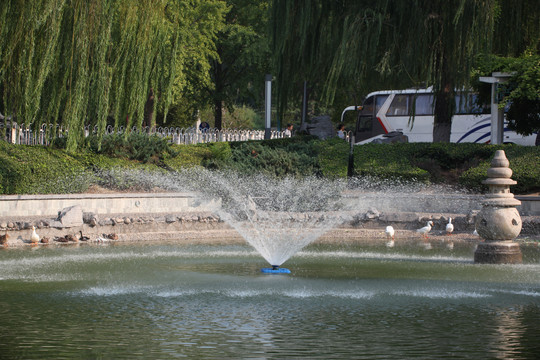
410 111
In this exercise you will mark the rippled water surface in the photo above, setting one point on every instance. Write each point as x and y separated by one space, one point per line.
164 301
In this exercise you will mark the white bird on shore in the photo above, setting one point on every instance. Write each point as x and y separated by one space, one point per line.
390 236
425 229
389 232
34 238
449 227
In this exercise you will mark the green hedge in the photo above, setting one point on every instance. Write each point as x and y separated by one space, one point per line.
190 155
37 169
389 161
524 162
463 164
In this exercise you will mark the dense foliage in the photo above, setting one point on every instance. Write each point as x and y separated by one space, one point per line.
37 169
521 94
80 62
362 46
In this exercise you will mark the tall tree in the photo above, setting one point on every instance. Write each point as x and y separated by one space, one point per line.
242 46
422 41
516 49
76 62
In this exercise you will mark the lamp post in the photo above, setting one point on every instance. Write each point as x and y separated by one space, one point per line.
497 115
267 106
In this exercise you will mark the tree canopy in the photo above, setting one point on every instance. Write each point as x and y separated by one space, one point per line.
78 62
244 57
407 43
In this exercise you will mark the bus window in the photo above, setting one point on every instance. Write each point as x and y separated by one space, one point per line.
423 104
467 103
367 107
364 124
379 102
399 106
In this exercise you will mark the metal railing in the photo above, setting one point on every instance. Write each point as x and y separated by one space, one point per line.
45 134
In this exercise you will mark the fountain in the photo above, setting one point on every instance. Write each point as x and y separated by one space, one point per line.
278 217
499 222
361 300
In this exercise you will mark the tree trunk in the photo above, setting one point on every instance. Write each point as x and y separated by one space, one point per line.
444 109
218 114
149 109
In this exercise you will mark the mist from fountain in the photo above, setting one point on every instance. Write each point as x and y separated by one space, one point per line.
279 217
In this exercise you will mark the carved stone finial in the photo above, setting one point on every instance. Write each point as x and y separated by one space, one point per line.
499 222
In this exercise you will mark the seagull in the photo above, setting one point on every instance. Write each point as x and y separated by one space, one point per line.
425 229
390 235
449 227
389 232
34 238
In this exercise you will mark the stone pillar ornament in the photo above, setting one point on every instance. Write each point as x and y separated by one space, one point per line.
499 222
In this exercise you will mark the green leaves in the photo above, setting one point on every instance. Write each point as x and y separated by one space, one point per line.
93 62
523 99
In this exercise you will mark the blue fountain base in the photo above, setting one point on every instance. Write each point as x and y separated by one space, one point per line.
275 270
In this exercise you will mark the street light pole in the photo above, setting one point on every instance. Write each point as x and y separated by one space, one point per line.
497 115
267 106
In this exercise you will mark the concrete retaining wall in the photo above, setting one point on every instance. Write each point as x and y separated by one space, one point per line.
530 205
103 204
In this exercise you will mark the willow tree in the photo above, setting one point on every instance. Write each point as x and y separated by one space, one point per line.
77 62
242 46
406 42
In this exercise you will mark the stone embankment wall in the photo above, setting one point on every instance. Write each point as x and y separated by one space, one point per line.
174 216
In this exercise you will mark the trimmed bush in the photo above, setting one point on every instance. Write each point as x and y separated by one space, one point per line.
391 161
40 170
333 157
37 169
258 157
188 156
524 162
136 146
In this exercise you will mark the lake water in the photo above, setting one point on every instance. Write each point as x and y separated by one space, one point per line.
164 300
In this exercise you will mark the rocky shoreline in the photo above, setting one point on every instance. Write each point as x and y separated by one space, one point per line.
206 227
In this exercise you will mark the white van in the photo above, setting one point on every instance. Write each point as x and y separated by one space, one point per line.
410 111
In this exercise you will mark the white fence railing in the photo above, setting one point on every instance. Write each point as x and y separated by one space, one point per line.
44 135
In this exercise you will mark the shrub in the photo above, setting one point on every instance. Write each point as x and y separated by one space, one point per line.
188 156
524 162
333 157
37 170
136 146
392 161
280 157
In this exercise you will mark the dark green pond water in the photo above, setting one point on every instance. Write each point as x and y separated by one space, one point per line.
163 301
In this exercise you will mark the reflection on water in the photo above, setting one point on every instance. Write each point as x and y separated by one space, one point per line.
166 301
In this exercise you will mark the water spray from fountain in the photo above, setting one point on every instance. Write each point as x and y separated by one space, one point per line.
280 216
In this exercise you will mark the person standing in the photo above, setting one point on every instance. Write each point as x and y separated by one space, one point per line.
288 131
341 131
